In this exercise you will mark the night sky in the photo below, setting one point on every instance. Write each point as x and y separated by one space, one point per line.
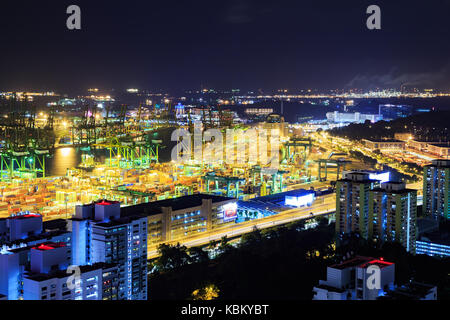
248 44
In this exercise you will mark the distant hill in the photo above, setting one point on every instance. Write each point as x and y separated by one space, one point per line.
432 126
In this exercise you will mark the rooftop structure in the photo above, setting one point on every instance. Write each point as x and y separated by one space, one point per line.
354 280
412 291
180 203
272 204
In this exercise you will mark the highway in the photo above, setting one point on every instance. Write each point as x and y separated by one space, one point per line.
323 205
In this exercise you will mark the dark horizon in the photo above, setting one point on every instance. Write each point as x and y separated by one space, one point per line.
247 44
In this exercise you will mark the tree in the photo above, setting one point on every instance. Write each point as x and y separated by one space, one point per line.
198 255
208 292
321 220
252 237
223 243
171 257
212 245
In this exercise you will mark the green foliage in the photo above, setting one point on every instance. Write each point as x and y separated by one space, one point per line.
283 262
277 263
171 257
360 156
430 126
197 255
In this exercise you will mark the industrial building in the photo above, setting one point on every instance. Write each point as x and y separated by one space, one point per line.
261 207
184 216
438 149
381 176
356 117
392 112
384 145
435 244
275 121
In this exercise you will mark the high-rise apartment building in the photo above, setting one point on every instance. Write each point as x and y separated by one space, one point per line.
436 189
393 214
50 279
100 234
19 233
352 203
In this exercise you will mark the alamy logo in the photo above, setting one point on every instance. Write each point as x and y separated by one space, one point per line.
374 20
373 281
252 146
74 281
73 22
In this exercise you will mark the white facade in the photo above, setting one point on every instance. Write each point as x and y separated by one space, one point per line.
56 288
356 280
355 117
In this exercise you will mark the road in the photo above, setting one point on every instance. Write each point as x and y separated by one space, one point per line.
322 206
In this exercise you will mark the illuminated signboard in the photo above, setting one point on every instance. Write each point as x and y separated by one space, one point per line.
383 176
229 211
300 201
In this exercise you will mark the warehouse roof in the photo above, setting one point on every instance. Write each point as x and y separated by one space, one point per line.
179 203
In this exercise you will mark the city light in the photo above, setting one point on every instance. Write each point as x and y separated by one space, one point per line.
203 152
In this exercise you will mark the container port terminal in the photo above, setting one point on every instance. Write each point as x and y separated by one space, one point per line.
132 173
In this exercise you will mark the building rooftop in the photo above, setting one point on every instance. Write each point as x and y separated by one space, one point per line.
440 163
410 291
49 246
385 140
278 198
57 224
437 237
119 221
25 216
179 203
440 144
46 235
354 262
367 180
63 273
361 262
275 202
106 202
426 224
401 191
376 262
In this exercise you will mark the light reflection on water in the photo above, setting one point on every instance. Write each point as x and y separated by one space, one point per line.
68 157
62 159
